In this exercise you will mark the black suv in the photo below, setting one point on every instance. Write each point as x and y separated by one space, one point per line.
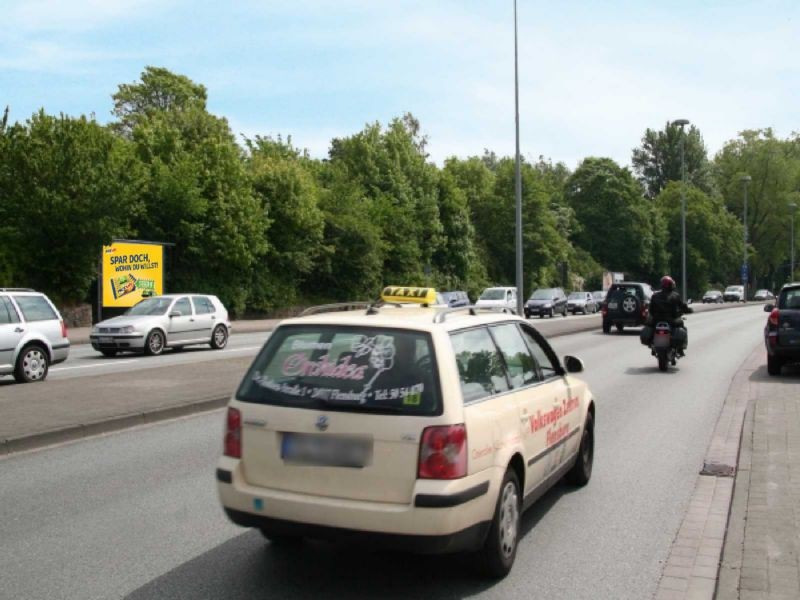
546 301
626 304
782 332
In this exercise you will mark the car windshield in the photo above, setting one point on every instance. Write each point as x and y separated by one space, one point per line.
493 294
151 306
577 295
712 293
545 294
764 292
734 288
357 369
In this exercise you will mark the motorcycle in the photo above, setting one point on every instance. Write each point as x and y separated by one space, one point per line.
662 346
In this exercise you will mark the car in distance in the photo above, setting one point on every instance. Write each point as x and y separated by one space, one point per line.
626 305
455 298
498 297
33 335
782 331
168 321
581 302
713 297
421 429
599 297
546 302
762 295
734 293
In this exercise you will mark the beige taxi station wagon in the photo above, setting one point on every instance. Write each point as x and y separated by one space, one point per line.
404 425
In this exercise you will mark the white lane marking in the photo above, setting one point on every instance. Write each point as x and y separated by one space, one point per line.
116 362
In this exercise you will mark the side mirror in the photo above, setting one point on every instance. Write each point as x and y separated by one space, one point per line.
689 301
175 313
573 364
769 307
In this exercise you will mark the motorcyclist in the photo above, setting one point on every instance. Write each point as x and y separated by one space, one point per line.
666 305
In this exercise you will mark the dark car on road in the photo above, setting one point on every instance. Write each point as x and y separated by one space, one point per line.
782 332
546 302
626 305
713 297
455 298
762 295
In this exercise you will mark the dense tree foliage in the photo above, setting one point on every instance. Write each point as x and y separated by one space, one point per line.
266 227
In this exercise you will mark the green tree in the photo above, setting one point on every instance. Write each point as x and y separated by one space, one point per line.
658 160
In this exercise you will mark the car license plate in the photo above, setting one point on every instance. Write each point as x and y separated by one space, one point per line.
325 450
106 340
612 305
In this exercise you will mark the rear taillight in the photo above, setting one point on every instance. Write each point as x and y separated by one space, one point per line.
233 433
63 329
443 452
644 311
773 317
604 309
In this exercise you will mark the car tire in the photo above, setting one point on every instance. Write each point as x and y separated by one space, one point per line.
219 339
606 326
280 539
33 363
774 365
581 472
154 343
108 352
620 327
500 548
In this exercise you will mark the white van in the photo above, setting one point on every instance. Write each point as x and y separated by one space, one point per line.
498 297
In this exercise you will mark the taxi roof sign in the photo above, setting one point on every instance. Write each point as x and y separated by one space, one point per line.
417 295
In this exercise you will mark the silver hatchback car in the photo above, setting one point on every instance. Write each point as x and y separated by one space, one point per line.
168 321
33 335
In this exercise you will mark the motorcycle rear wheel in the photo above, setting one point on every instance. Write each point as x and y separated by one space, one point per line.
662 361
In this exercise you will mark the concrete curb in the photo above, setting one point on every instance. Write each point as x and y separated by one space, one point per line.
118 423
692 567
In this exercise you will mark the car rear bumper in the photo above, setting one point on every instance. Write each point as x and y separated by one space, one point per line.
635 322
133 341
436 522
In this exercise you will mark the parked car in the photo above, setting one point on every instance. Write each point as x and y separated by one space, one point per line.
713 297
455 299
599 297
498 297
626 305
782 331
546 302
33 335
581 302
734 293
762 295
168 321
400 428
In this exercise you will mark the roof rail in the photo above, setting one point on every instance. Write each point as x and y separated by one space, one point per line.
441 315
17 290
338 306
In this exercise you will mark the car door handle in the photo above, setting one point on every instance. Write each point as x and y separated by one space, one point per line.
213 317
191 320
19 330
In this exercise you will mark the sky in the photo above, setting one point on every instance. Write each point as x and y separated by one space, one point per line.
593 75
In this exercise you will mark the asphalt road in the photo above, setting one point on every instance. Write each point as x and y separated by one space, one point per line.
135 514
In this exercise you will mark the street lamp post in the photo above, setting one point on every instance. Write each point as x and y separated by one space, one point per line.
518 178
681 123
745 179
793 208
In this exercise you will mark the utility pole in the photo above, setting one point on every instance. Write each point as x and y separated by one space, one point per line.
518 183
745 179
681 123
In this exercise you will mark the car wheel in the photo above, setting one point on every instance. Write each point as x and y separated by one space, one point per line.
154 344
774 365
108 352
606 326
500 548
32 364
620 327
581 472
219 339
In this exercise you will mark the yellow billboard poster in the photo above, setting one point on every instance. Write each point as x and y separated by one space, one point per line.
131 271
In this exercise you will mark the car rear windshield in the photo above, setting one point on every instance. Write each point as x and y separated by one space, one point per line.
35 308
356 369
624 290
790 299
577 295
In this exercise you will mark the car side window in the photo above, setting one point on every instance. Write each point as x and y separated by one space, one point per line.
8 313
545 359
480 366
202 305
35 308
183 307
519 362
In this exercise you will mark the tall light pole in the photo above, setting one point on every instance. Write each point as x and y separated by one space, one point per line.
681 123
793 208
745 179
518 183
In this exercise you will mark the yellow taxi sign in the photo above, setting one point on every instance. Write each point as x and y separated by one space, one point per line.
417 295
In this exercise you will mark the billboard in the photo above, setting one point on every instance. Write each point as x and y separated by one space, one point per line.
131 271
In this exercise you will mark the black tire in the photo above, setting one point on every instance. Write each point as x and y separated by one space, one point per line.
606 326
219 337
108 352
154 343
33 363
620 327
581 472
774 365
281 539
500 548
663 363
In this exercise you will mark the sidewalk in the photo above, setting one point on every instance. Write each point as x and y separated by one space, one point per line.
740 538
80 335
